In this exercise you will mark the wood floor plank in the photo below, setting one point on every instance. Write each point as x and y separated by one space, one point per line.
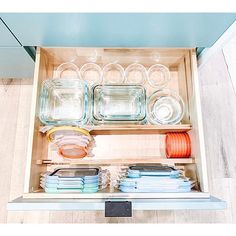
19 156
89 217
194 217
61 217
20 148
229 51
165 217
219 117
232 202
9 103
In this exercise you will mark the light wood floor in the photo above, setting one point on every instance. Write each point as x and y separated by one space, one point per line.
219 111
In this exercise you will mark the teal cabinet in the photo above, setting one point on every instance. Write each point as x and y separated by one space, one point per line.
15 62
18 30
7 39
119 29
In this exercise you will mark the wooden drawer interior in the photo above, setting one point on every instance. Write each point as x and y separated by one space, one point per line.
118 146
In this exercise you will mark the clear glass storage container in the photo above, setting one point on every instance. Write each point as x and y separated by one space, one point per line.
119 104
135 74
67 69
113 73
158 76
64 101
91 73
165 107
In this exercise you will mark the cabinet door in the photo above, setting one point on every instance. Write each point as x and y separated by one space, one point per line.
119 29
6 37
15 62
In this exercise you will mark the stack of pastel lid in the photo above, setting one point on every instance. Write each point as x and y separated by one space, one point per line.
82 180
72 142
154 179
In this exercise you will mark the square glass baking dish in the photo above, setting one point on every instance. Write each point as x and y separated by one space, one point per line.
119 104
64 101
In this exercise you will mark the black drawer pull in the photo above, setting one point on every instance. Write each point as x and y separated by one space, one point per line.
118 209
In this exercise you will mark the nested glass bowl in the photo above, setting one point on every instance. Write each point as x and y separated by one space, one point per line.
64 101
165 107
158 76
119 104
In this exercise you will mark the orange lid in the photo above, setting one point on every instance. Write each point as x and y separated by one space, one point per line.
72 151
178 145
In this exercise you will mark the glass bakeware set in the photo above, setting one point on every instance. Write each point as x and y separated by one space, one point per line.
112 95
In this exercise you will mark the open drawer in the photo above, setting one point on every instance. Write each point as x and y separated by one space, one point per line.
121 145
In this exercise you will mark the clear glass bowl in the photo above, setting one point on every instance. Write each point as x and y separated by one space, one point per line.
67 69
64 101
135 74
165 107
158 76
92 73
113 73
119 103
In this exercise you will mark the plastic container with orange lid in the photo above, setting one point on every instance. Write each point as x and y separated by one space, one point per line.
72 142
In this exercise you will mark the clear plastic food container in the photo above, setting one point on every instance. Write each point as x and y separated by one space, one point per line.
72 142
80 180
119 104
154 179
157 170
64 101
113 73
92 73
135 74
165 107
158 76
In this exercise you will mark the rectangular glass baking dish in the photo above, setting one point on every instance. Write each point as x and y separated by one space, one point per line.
119 104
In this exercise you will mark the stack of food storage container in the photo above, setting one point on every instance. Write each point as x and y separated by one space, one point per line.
154 179
81 180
